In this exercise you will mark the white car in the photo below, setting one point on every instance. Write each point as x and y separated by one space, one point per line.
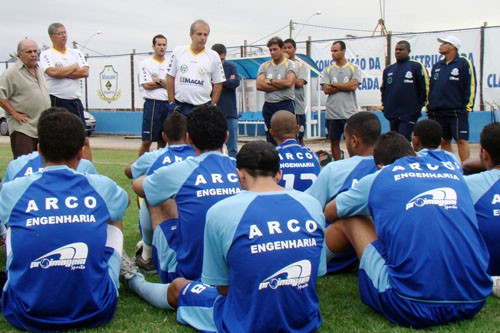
89 123
4 129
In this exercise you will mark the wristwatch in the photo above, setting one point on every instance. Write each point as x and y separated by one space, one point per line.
270 82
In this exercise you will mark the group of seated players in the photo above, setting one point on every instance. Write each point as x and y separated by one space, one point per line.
239 243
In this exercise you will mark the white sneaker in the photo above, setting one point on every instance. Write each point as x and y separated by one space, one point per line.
496 286
128 269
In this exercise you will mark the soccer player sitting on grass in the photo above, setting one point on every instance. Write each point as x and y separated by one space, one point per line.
427 135
195 184
263 253
299 165
64 240
361 132
174 133
485 191
422 258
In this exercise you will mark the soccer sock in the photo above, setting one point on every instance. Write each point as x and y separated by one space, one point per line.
153 293
147 252
329 254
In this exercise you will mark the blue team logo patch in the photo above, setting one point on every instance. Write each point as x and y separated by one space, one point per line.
296 275
443 197
72 256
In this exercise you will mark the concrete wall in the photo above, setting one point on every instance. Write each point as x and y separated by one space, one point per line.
129 123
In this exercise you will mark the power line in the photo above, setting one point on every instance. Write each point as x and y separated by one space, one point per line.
86 48
333 28
271 34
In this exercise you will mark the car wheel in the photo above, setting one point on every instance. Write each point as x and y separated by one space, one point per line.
4 129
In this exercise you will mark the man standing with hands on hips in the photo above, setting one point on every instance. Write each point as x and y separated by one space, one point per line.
451 95
192 69
153 72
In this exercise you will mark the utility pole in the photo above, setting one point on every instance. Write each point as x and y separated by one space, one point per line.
290 29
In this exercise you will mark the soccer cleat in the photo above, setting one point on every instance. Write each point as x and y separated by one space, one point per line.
146 266
496 286
128 269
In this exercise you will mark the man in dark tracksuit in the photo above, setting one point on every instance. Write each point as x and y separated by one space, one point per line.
404 91
451 95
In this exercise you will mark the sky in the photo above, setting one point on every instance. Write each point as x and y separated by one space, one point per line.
128 25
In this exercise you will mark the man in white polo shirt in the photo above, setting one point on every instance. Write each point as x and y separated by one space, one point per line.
64 67
153 71
192 70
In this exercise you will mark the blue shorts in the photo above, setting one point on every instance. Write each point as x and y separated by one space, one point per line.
196 306
335 128
269 109
153 115
74 106
454 123
165 250
376 292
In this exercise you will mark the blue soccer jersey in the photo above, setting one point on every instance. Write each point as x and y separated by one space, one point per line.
146 165
195 184
337 177
485 191
442 155
299 165
268 247
149 162
30 163
424 219
57 257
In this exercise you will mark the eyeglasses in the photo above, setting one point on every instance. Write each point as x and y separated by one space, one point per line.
60 33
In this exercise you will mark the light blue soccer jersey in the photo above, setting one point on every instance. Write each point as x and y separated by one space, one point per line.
300 166
443 155
30 163
337 177
268 247
57 256
195 184
150 161
424 217
485 191
146 165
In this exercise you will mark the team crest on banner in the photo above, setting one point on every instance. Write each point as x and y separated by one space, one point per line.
108 83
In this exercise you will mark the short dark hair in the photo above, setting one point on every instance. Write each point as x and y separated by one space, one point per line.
159 36
258 158
405 43
490 141
207 127
390 147
175 126
60 135
429 132
275 40
366 126
341 43
290 41
219 48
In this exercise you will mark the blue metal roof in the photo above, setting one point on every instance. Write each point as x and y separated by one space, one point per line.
248 67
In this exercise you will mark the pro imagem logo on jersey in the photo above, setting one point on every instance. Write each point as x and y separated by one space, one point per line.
72 256
297 275
444 197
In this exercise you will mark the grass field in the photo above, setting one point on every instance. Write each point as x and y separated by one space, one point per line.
341 307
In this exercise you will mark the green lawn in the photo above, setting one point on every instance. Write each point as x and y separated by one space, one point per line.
339 300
